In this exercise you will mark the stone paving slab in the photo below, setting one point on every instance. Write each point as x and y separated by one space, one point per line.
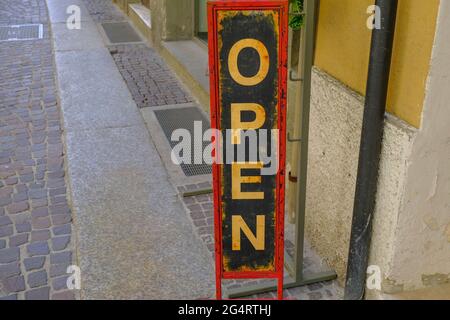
113 162
88 37
57 10
133 234
134 238
100 100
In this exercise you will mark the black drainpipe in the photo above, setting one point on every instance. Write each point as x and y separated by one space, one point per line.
371 138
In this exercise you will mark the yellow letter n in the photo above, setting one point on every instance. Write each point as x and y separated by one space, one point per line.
238 224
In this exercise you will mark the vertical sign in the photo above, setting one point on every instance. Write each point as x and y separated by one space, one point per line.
247 60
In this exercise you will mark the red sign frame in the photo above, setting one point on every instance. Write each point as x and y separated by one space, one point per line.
281 6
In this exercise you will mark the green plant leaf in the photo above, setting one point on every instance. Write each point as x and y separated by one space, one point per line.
296 21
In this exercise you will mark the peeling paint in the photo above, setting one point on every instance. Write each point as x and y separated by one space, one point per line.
435 279
433 188
390 286
431 223
447 233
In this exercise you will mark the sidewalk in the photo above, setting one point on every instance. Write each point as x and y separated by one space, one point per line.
134 240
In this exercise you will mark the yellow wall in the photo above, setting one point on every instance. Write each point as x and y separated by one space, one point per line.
343 44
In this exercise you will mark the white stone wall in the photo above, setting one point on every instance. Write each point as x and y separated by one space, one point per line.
411 232
335 131
335 126
423 233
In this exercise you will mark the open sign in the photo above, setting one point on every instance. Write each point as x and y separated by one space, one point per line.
248 57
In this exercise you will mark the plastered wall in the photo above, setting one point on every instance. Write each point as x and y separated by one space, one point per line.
343 45
335 131
411 232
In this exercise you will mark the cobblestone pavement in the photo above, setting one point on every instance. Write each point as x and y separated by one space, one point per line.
35 218
22 11
147 76
201 211
104 10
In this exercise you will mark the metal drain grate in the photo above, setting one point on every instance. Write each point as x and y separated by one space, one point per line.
183 118
21 32
120 32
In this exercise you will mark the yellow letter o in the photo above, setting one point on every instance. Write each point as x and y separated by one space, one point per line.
263 65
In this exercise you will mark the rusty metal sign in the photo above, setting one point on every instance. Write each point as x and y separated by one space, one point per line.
248 58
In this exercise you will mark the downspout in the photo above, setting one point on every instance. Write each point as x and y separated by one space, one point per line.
369 157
